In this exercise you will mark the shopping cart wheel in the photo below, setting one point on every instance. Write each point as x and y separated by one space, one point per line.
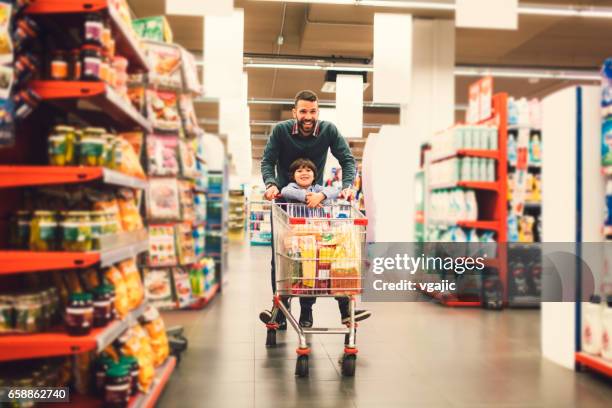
271 338
348 365
301 366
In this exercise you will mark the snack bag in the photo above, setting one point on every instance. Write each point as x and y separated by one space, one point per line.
111 206
136 347
131 276
308 245
128 209
122 300
155 327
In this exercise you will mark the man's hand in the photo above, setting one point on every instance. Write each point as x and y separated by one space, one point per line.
314 199
348 194
271 193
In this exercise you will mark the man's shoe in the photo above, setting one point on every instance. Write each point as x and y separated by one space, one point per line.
306 318
359 316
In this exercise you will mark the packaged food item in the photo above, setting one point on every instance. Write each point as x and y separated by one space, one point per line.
163 199
130 216
162 249
155 28
103 363
93 29
158 287
188 159
75 64
89 279
28 313
130 163
117 386
43 231
91 62
76 231
92 147
185 243
165 62
136 343
137 97
6 315
163 110
20 229
154 325
59 66
97 222
132 364
162 155
79 314
103 305
122 300
110 206
182 287
131 277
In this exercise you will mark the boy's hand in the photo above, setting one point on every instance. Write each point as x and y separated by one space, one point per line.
314 199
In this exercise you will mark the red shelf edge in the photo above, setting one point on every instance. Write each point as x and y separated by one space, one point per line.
595 363
14 262
483 153
201 303
480 185
488 225
16 176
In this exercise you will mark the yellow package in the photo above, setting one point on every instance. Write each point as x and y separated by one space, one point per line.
141 350
122 302
133 282
308 251
156 329
128 209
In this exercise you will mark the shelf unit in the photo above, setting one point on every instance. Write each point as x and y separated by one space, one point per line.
594 363
24 176
202 302
236 217
84 98
260 227
127 44
59 343
491 197
217 220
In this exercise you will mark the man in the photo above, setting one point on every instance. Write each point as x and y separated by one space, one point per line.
305 136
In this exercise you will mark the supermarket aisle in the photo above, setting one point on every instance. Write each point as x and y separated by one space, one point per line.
411 354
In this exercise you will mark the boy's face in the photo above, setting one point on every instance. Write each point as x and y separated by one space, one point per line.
304 177
306 113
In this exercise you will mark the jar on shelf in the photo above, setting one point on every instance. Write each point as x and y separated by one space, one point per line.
62 146
47 310
92 147
93 29
75 64
103 306
104 68
28 313
76 231
111 225
97 229
6 314
20 229
59 66
79 314
91 61
102 365
106 38
43 231
132 364
117 386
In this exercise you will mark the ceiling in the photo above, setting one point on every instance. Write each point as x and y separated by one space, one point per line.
346 31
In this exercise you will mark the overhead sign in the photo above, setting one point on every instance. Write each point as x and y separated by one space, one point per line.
480 100
492 14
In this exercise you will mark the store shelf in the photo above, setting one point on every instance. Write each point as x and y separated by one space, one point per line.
59 343
483 225
487 154
474 185
92 96
22 176
595 363
162 375
202 302
116 248
126 42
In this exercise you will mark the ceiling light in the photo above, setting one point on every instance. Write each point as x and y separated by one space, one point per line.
528 73
533 9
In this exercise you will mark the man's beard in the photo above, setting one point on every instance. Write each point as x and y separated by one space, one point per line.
301 126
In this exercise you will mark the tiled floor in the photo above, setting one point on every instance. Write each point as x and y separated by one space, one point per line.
410 355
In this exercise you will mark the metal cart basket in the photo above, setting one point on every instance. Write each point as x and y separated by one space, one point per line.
319 252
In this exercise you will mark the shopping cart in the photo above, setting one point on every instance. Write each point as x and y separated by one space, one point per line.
318 252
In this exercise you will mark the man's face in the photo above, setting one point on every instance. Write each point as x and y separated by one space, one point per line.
306 113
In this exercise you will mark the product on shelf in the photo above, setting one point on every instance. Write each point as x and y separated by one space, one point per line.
188 160
162 109
122 297
162 249
191 78
185 243
182 287
136 343
128 209
155 28
163 199
469 137
162 155
187 200
132 280
190 120
158 287
199 240
450 206
165 61
156 329
29 312
79 314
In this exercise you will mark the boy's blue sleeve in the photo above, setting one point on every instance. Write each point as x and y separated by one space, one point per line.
293 192
331 193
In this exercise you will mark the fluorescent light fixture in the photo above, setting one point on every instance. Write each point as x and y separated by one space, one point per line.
523 8
528 73
283 66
